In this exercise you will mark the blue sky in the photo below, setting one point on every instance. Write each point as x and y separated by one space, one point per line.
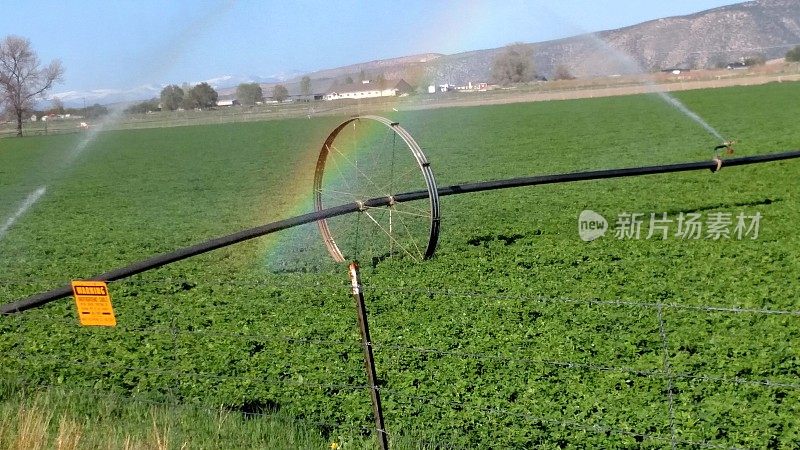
119 45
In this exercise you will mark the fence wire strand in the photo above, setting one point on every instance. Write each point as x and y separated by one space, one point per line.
374 288
596 428
394 348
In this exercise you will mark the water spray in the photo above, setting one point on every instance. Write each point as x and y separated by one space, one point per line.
29 201
156 261
160 65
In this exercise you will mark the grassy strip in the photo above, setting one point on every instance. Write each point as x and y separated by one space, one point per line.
63 419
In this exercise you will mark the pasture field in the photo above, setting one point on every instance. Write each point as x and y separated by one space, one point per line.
517 334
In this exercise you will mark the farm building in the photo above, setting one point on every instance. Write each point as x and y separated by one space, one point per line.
366 89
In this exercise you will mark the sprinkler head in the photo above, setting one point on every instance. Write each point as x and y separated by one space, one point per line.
727 146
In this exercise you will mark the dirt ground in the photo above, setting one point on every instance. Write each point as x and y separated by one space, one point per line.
578 91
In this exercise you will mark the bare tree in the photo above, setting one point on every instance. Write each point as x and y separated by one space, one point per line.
514 65
22 79
280 93
305 85
56 106
563 73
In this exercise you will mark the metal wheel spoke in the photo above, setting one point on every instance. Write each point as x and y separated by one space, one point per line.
342 177
338 195
355 166
336 162
420 211
424 215
359 162
389 186
392 238
411 237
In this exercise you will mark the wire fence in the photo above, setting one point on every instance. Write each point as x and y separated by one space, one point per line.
508 389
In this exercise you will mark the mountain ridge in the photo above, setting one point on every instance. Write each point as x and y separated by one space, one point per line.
702 39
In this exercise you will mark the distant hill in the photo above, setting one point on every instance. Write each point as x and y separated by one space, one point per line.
705 39
391 68
701 40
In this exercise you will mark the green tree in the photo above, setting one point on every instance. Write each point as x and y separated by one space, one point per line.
362 75
513 65
203 96
348 80
22 79
143 107
793 55
188 101
97 110
249 93
280 93
305 85
171 97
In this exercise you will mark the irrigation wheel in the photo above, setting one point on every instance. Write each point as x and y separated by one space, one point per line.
368 157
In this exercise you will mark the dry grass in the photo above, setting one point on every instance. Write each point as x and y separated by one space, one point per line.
69 434
63 420
31 428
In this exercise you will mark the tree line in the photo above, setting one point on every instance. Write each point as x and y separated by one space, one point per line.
203 96
249 94
24 80
57 107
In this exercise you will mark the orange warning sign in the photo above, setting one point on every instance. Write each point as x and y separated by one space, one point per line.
94 303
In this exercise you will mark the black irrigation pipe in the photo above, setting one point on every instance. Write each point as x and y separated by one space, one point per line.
224 241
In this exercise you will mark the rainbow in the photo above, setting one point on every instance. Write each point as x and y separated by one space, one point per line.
299 199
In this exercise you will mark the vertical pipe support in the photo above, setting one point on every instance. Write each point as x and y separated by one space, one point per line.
369 360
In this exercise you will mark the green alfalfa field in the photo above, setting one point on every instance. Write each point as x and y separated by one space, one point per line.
517 334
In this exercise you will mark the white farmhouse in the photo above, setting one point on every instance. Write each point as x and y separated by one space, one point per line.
391 88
